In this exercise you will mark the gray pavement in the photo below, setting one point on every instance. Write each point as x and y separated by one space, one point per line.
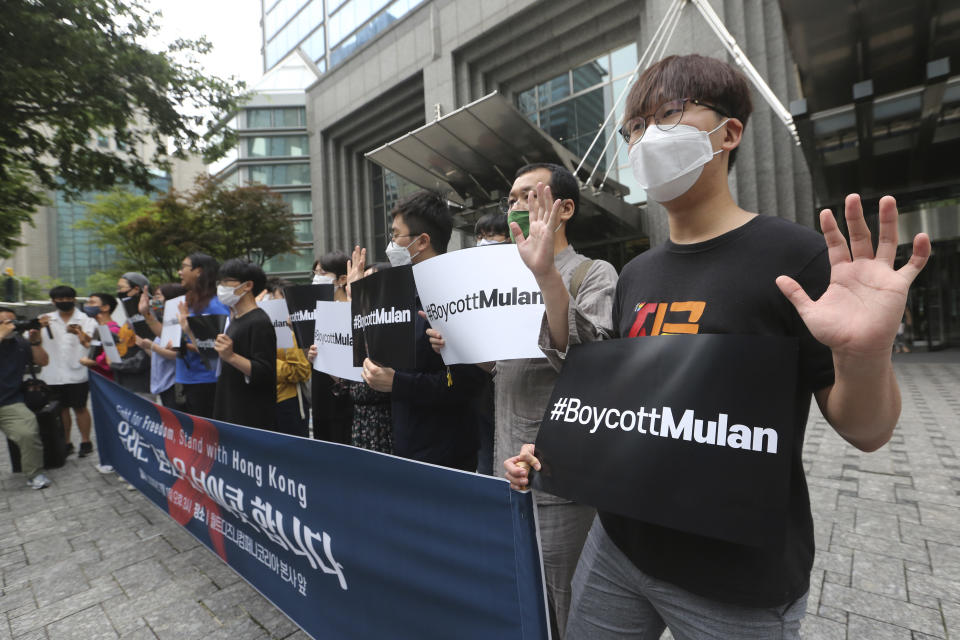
87 558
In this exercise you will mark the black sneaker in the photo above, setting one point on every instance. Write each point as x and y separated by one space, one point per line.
69 449
86 448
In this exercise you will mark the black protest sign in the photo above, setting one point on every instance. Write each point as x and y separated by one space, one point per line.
384 314
206 329
302 304
693 433
136 319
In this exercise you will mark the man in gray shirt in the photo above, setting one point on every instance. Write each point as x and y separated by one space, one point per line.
522 388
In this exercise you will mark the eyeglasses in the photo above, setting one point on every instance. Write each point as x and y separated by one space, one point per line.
506 204
391 235
666 117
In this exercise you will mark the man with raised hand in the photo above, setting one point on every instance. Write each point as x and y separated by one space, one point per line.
754 275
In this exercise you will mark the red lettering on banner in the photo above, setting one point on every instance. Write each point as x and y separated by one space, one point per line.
181 510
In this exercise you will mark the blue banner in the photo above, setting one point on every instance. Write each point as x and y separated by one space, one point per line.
348 543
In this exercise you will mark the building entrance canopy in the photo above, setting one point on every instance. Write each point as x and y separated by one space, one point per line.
472 154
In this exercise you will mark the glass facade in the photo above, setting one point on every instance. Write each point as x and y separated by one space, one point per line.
288 24
279 174
276 146
387 190
571 108
299 201
295 263
277 118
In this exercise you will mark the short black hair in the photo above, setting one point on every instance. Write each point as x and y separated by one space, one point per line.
334 262
427 212
63 291
493 222
107 299
562 183
8 310
275 284
243 270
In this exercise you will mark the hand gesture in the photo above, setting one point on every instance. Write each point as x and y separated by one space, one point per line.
378 378
536 250
356 265
224 346
860 311
518 468
44 320
143 305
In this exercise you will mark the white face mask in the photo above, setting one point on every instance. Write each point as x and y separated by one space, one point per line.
400 256
668 163
483 242
319 279
227 295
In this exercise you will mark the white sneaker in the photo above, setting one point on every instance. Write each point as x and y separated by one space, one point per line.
38 481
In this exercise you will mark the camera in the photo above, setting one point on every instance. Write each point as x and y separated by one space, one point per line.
26 325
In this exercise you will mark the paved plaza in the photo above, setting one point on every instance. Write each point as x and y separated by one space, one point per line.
87 558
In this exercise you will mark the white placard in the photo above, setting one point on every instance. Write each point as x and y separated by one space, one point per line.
277 310
333 336
108 343
484 301
171 326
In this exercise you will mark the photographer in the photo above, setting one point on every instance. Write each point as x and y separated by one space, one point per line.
16 420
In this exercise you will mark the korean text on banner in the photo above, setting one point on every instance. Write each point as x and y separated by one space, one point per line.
171 332
334 341
694 431
277 310
484 301
325 530
385 318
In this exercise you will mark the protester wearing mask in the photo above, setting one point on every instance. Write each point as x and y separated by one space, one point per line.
133 370
17 422
636 577
491 228
162 356
67 341
198 275
131 285
100 307
523 386
293 368
435 407
329 396
246 391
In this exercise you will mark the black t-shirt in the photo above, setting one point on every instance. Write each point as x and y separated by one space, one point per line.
726 285
252 402
15 355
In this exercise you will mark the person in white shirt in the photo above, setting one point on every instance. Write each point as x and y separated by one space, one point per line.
67 340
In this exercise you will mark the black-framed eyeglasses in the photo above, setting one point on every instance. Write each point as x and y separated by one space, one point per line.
506 204
666 117
391 236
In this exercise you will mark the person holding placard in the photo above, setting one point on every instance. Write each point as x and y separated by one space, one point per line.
293 369
163 357
329 396
246 391
198 275
100 307
723 272
435 408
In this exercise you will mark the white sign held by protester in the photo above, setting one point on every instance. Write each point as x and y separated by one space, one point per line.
108 343
171 326
334 339
277 310
484 301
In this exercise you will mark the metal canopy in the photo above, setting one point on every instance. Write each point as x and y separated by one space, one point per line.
471 155
881 106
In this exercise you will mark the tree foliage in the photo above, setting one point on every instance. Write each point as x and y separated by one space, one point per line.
76 69
153 236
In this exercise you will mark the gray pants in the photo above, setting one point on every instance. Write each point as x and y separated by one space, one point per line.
614 599
563 528
20 425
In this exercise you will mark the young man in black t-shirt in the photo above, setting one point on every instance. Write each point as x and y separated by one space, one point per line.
727 271
247 386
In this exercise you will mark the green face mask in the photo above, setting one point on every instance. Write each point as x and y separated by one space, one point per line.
522 218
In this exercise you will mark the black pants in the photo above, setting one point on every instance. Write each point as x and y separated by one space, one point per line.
332 409
289 420
199 399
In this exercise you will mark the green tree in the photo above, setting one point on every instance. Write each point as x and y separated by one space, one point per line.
76 69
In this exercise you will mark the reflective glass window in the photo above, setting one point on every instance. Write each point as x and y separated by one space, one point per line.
275 146
313 46
281 117
278 16
280 174
303 229
300 202
300 262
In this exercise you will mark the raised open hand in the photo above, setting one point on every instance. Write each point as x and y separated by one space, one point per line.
356 265
860 311
536 250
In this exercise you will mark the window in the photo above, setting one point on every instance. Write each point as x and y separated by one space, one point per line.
571 108
299 201
301 262
303 230
276 146
387 190
355 13
282 117
280 174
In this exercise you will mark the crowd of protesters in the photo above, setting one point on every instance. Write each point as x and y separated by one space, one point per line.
607 575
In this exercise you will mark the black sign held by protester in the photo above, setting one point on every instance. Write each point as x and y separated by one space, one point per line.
206 329
137 321
688 432
384 315
302 304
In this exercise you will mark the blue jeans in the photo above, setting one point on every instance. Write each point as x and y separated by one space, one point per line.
613 599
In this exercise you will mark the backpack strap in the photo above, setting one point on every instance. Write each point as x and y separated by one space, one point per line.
578 275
